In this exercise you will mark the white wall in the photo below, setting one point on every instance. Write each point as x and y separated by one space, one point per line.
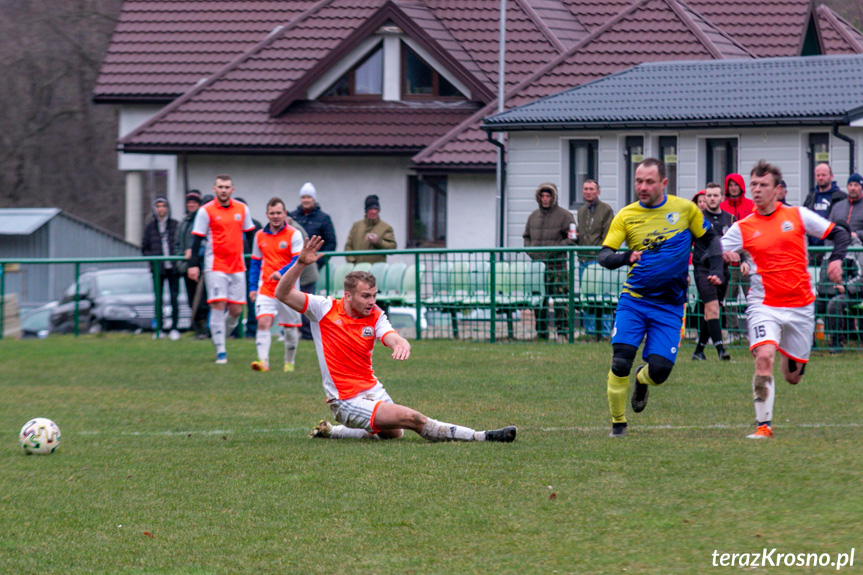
471 211
536 157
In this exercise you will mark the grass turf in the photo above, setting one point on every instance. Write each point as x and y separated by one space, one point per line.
171 464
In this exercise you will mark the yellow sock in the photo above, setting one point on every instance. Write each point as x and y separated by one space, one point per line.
618 390
644 377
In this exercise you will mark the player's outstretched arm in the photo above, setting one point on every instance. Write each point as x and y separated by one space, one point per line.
285 291
400 346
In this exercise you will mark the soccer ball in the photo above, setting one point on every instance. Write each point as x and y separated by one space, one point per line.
40 436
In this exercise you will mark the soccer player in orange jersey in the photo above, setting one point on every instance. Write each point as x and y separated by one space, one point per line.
274 247
223 222
344 332
781 309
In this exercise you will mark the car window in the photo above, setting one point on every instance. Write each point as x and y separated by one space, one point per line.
84 285
36 320
123 283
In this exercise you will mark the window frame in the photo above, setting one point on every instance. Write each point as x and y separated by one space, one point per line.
629 143
662 142
432 181
351 74
592 173
814 139
436 76
730 163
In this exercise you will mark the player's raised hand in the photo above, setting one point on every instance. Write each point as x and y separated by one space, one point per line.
834 271
309 254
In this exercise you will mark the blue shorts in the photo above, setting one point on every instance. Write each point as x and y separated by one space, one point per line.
661 323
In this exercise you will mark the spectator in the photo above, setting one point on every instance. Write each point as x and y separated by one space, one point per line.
184 248
821 200
160 239
550 225
699 200
739 206
370 233
315 222
781 192
709 295
849 212
836 298
594 219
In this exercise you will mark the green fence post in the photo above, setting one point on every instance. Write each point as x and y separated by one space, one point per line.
2 299
493 289
77 296
418 301
571 299
157 284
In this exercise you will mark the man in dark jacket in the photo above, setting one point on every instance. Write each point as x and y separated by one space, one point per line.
821 199
849 212
315 222
550 225
160 239
594 219
184 248
739 206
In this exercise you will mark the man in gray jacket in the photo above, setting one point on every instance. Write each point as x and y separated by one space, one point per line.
550 225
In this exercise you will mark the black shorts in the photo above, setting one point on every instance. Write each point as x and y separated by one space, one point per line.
708 292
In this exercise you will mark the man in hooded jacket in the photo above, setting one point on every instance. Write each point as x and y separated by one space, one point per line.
739 206
549 225
160 239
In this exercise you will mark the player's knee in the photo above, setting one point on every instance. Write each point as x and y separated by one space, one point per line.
659 368
621 361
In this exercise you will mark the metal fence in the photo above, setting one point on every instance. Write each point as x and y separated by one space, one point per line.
555 294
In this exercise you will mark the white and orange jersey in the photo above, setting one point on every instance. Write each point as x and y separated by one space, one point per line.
223 227
276 250
344 345
777 244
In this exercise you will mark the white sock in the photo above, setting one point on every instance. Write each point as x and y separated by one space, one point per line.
231 322
263 339
764 407
292 337
439 431
217 328
342 432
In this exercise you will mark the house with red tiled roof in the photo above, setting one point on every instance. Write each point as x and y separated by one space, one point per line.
387 96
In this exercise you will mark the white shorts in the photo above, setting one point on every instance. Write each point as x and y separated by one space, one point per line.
268 305
358 412
225 287
790 329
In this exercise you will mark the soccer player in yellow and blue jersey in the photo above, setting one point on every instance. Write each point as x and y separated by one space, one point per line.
658 230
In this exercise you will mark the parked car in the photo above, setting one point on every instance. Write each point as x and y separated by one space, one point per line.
37 322
116 299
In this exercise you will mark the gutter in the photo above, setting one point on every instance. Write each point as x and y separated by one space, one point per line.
850 141
502 191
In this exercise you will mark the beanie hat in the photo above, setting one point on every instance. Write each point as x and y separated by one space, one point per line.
855 178
372 202
193 195
309 190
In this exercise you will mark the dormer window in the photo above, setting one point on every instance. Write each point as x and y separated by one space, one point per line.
365 80
420 80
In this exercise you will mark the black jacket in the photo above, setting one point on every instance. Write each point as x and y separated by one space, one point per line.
151 243
317 223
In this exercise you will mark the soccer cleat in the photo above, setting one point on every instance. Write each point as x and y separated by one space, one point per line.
502 435
174 335
640 391
322 429
221 358
289 368
699 356
618 430
724 355
260 366
763 432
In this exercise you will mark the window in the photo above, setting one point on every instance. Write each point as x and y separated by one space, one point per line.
427 211
721 159
668 154
366 79
634 154
421 80
583 162
819 151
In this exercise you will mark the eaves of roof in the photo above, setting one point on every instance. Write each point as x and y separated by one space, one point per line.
269 150
700 123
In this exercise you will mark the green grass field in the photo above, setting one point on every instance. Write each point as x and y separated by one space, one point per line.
171 464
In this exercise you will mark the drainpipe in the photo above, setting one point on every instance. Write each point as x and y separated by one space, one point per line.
850 141
501 151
